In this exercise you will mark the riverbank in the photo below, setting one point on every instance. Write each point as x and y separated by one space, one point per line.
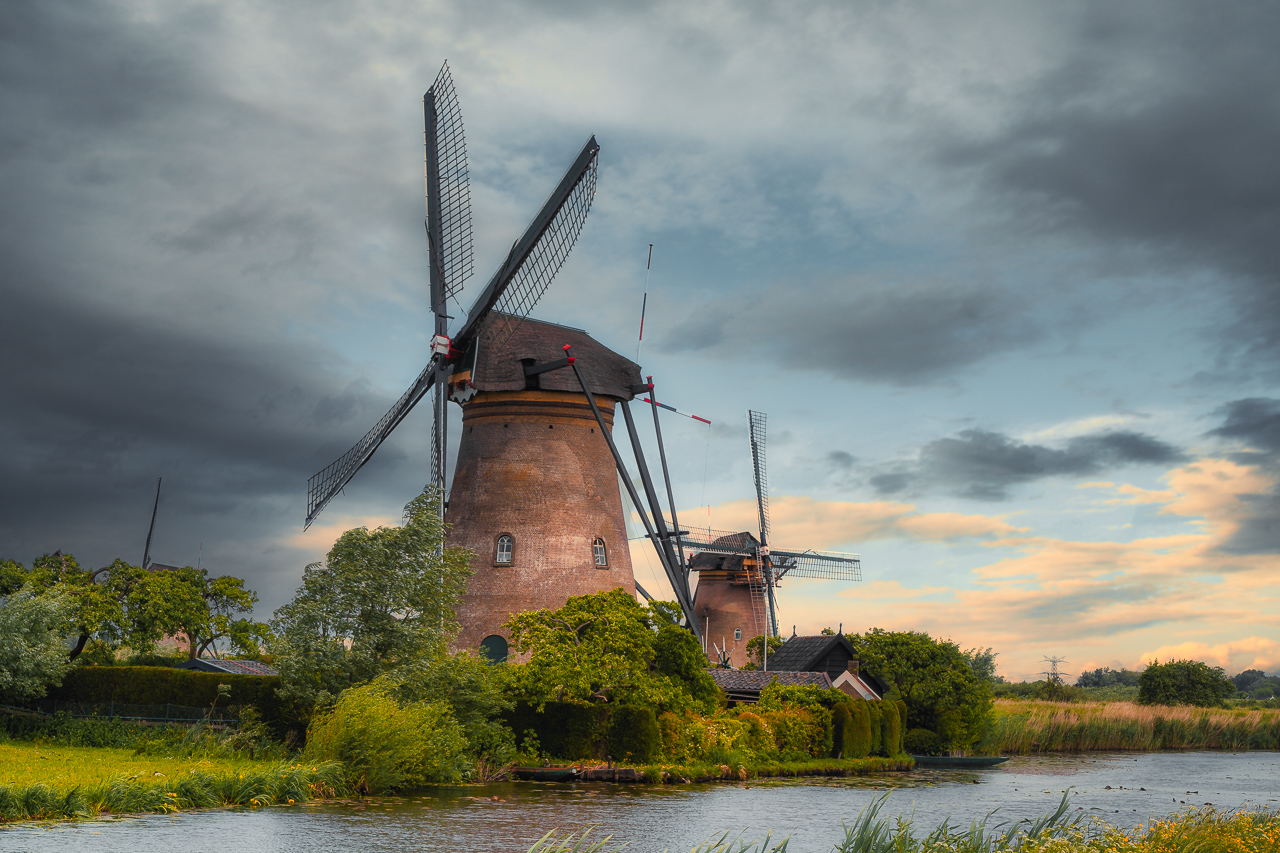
42 782
676 774
1024 726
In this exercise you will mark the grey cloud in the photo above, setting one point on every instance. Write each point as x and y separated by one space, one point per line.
1155 135
985 465
1255 421
907 334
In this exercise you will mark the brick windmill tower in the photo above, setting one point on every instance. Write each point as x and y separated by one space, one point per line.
738 573
535 493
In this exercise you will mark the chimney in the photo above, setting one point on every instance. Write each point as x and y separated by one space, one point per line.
852 667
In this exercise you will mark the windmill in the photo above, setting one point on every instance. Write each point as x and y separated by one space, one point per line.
739 573
517 285
535 493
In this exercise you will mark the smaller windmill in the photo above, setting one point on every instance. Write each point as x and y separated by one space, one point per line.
739 573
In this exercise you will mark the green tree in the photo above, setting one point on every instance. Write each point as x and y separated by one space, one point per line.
473 690
381 599
189 603
600 647
1184 682
983 664
755 647
942 692
33 649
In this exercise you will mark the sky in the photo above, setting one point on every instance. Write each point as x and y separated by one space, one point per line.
1003 277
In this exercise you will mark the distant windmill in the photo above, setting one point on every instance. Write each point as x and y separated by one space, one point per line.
518 284
739 573
146 552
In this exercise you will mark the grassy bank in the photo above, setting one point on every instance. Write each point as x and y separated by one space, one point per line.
1195 830
41 782
1029 726
710 772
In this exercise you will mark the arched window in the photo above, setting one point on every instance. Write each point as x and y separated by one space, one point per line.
737 633
601 555
493 648
503 552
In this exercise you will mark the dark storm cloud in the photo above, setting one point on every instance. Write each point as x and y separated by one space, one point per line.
1254 422
985 465
1155 135
901 335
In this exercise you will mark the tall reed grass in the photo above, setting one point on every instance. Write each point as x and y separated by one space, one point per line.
1028 726
1193 831
269 785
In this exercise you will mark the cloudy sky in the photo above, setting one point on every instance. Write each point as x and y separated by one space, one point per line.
1003 276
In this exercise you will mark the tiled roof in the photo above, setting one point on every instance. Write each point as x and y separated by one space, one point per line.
755 680
805 653
232 667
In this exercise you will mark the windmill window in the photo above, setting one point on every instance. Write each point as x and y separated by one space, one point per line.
737 633
503 553
601 555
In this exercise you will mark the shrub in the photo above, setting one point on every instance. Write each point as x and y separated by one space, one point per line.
566 730
386 746
876 720
842 732
634 735
891 728
921 742
860 732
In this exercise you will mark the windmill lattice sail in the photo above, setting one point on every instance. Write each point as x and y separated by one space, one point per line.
454 255
822 565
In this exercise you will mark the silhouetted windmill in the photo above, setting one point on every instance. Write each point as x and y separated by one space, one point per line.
520 281
739 573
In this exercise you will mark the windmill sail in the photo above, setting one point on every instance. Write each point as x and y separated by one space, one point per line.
450 198
823 565
533 261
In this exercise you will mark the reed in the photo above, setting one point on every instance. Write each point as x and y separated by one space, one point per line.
198 789
1030 726
1191 830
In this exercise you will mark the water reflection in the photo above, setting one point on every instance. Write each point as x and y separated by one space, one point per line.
1124 789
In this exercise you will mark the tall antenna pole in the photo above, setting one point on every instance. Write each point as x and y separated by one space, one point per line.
146 553
645 302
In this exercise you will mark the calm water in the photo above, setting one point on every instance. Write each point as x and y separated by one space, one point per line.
510 816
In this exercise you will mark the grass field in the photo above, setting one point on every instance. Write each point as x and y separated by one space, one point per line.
65 767
1026 726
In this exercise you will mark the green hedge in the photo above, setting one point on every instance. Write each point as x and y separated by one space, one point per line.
565 729
633 735
159 685
842 738
891 728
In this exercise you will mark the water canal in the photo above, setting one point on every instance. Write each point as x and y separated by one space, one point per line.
1123 789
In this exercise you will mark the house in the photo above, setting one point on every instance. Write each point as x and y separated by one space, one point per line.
823 660
229 667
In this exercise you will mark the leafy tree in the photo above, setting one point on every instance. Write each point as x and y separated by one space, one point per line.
983 664
381 599
188 602
1184 682
942 692
678 656
1107 677
601 647
473 690
33 649
755 647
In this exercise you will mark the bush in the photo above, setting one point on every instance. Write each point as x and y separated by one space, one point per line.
633 735
891 728
860 732
921 742
876 720
385 746
841 732
565 730
1184 682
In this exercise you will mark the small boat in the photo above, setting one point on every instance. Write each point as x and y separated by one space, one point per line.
546 774
959 761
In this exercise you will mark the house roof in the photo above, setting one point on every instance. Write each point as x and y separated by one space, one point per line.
809 653
231 667
747 683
